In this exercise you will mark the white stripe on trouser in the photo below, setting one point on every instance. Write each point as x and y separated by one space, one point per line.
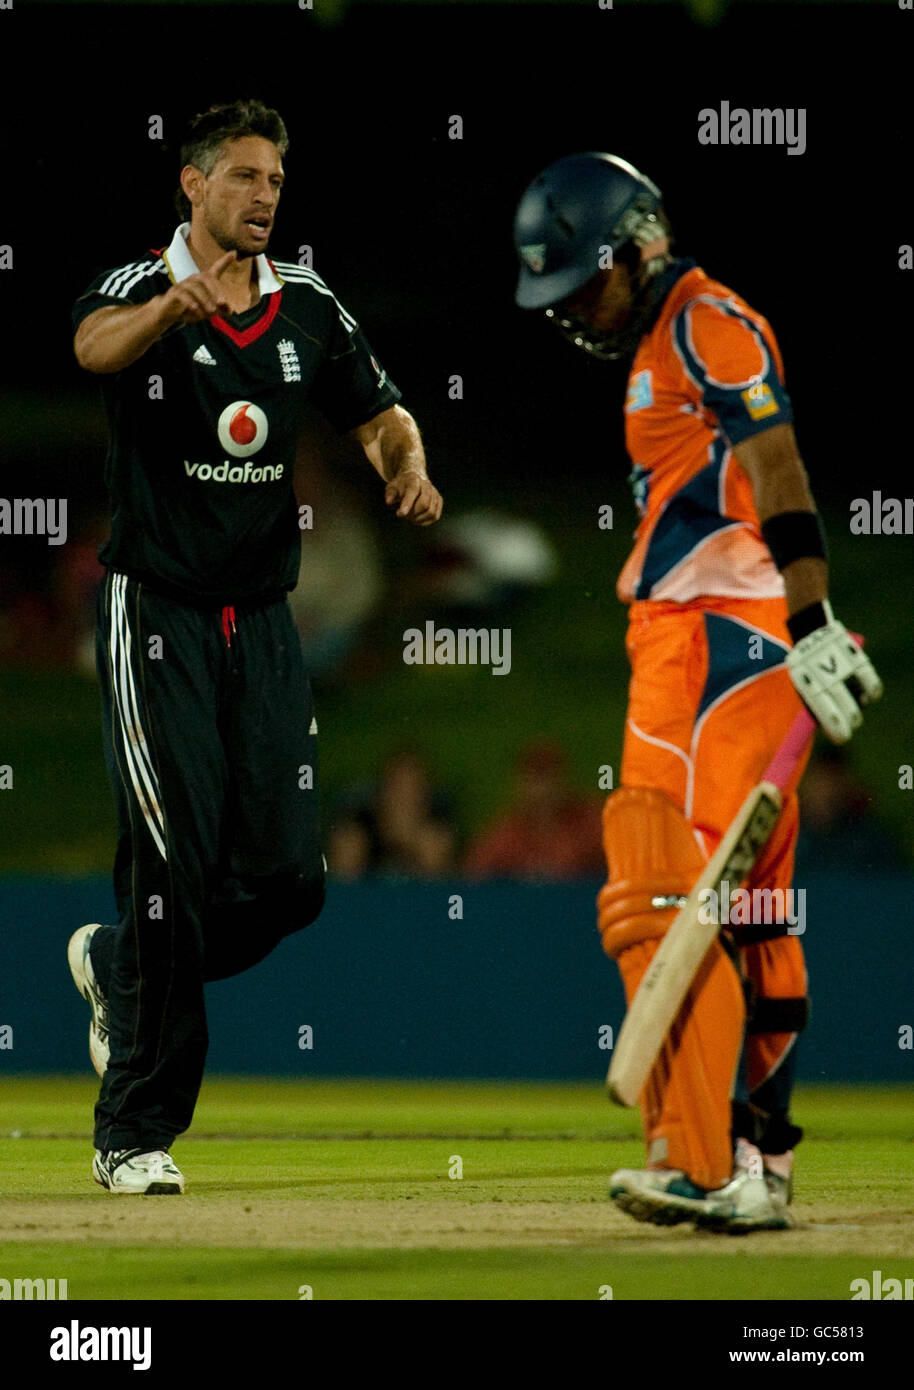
136 751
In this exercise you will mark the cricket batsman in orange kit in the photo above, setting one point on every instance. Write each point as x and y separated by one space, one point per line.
729 626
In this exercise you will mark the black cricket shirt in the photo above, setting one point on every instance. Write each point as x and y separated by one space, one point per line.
204 427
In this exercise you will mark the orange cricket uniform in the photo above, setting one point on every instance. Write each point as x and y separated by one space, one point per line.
709 698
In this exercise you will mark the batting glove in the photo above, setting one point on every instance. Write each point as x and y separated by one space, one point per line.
832 675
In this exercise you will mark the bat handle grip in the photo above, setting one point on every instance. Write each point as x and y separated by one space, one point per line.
790 750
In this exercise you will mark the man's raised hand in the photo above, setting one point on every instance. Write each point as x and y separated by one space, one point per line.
200 296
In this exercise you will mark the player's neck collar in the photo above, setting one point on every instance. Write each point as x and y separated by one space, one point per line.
661 286
670 277
180 263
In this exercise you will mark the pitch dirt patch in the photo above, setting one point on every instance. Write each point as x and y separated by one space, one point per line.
397 1223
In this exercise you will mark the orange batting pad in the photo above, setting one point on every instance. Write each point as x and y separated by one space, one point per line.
685 1107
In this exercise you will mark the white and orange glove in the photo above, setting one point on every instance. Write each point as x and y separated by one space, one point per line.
831 673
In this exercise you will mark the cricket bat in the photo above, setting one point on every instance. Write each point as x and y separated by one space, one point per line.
666 981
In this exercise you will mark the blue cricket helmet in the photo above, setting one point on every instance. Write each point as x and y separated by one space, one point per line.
567 217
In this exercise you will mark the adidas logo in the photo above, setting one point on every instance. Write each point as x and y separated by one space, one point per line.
288 357
204 355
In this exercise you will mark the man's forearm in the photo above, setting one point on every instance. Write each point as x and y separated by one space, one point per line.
828 671
806 582
786 489
400 448
780 485
393 443
404 454
114 338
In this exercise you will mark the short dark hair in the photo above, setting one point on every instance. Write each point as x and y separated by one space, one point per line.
209 130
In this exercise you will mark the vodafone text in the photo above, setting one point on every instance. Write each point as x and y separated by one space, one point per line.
227 472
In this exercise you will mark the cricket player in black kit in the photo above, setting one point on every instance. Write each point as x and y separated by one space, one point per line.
209 353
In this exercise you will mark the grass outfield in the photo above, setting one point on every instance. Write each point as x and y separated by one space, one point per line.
346 1188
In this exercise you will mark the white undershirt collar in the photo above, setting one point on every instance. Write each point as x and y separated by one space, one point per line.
180 263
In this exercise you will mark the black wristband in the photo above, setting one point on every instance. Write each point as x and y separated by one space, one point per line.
802 623
794 536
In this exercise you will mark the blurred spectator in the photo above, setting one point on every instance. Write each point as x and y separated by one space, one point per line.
482 560
838 826
551 831
403 826
76 582
28 631
47 603
340 583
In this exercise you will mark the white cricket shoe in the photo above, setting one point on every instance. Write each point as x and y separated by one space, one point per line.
131 1170
780 1189
666 1196
84 978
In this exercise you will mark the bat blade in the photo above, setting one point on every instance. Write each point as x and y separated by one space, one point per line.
676 962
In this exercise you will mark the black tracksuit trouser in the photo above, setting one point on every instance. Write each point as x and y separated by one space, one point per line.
211 746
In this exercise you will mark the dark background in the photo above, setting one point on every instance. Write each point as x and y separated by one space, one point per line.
412 230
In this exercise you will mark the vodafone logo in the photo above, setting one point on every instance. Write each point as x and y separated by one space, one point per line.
242 429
